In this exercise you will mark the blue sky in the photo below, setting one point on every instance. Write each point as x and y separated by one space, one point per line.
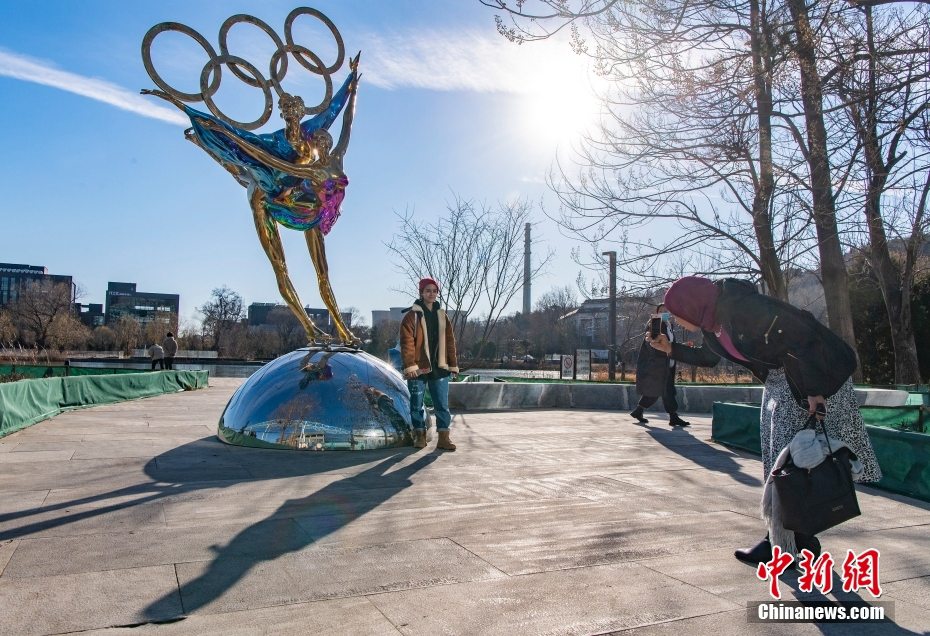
98 182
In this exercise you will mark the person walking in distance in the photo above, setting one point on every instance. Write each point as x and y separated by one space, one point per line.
170 345
427 347
655 375
158 356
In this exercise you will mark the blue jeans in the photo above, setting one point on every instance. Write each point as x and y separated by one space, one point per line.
439 392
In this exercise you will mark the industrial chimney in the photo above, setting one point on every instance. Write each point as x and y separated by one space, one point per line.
526 270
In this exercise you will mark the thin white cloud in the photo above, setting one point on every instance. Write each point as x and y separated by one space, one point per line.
469 61
40 72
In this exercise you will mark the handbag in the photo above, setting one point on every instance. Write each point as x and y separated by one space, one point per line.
815 499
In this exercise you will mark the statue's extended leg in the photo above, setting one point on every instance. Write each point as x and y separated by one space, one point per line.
271 242
318 256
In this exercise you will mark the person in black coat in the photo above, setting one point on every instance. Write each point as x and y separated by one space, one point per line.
655 377
802 363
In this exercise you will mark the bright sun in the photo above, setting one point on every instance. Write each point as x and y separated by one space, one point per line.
560 104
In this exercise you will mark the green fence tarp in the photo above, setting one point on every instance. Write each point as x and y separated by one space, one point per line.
737 425
904 456
59 371
26 402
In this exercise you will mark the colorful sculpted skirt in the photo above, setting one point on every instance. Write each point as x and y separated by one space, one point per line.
303 208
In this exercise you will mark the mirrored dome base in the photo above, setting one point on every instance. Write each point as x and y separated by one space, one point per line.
320 398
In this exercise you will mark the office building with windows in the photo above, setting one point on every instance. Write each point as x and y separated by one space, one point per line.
14 277
258 314
124 300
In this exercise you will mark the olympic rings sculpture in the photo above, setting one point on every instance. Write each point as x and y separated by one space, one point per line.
211 74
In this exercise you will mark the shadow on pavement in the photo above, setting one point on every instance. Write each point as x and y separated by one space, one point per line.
177 472
678 440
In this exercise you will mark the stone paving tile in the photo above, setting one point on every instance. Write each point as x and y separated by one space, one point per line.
13 503
717 572
48 475
109 448
57 604
904 551
338 499
156 546
916 591
589 600
89 518
572 545
43 445
7 548
336 617
446 521
228 584
23 456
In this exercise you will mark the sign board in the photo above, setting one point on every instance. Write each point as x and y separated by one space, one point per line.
568 367
583 364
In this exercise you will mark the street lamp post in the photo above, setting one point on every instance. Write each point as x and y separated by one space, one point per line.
612 326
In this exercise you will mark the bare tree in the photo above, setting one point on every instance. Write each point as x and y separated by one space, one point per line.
695 137
7 328
880 77
103 338
289 332
156 329
67 332
221 314
547 331
474 251
687 140
832 265
128 333
36 308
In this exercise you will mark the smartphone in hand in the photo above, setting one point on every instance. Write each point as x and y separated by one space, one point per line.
655 327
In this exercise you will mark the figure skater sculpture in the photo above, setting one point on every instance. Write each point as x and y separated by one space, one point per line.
294 176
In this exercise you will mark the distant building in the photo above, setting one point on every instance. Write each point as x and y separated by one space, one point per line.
258 313
258 316
124 300
394 314
91 314
14 277
591 319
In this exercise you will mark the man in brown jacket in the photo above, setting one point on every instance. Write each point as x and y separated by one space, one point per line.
427 348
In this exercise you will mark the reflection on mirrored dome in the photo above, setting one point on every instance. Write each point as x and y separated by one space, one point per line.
320 398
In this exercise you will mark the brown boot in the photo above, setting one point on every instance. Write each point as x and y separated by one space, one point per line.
419 439
444 442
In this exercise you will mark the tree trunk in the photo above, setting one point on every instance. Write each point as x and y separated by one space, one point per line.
895 285
832 266
765 182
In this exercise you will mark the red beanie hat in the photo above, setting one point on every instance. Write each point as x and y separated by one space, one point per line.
427 281
694 298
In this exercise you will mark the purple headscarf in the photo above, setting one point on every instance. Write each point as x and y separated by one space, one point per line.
694 298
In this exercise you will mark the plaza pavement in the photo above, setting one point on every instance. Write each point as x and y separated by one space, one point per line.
133 518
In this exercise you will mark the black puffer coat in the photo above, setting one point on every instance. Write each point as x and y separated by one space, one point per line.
772 334
652 368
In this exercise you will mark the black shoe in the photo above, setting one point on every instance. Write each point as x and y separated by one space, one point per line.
674 420
809 542
760 553
637 414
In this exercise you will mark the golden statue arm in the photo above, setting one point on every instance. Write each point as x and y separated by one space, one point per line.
348 116
315 175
